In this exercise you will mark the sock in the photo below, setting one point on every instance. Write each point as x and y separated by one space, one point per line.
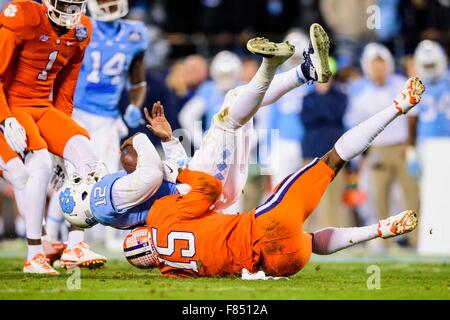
54 218
31 200
330 240
250 96
282 83
75 237
78 151
34 250
359 138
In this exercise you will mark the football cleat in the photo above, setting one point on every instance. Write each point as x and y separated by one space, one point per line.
39 264
396 225
81 256
276 52
316 66
53 250
410 96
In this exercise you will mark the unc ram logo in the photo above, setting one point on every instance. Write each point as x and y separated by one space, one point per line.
66 201
10 11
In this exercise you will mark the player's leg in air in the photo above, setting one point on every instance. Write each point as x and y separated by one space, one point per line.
226 148
286 248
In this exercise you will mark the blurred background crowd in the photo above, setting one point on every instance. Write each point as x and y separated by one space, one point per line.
197 52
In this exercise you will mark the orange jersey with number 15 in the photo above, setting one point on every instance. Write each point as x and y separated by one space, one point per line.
38 66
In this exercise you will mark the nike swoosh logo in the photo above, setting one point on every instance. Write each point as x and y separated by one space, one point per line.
171 170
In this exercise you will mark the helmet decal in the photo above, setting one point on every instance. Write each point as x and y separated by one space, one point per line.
66 201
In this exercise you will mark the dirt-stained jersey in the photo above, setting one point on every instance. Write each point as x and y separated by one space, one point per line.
192 240
36 62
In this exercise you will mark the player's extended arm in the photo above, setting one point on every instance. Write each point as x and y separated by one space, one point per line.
65 84
205 190
135 188
138 90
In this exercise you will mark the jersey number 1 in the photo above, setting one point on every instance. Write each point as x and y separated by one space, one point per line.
43 75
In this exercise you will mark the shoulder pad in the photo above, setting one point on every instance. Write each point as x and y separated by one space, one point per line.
21 15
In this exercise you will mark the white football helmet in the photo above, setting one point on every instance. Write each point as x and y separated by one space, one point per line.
108 10
299 39
430 61
65 13
74 197
226 70
139 250
376 50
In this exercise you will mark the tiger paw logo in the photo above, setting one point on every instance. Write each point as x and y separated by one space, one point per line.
10 11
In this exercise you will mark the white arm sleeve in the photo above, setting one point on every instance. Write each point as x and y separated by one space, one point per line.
281 84
191 113
174 150
135 188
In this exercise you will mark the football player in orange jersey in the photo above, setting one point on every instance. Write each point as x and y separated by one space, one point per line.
185 238
42 49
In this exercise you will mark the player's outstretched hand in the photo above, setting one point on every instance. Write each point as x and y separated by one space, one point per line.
157 122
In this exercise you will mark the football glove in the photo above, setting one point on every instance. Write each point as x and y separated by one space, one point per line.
170 170
133 116
59 173
14 134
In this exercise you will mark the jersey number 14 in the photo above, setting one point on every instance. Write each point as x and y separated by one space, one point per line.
112 68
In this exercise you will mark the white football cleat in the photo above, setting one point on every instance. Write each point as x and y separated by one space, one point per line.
53 249
39 264
396 225
81 256
277 53
410 96
316 66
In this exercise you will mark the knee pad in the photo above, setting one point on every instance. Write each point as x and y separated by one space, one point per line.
16 173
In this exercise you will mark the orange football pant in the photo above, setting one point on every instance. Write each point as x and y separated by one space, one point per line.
47 128
285 247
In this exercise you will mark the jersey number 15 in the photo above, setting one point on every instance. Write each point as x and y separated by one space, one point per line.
168 251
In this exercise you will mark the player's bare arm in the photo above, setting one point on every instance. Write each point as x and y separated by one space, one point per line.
138 88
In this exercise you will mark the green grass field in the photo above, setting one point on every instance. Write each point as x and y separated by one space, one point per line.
319 280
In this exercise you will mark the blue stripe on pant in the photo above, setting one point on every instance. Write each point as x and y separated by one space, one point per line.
278 196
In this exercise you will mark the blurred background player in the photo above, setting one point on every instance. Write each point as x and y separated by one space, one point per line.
387 155
429 147
226 72
115 53
42 50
